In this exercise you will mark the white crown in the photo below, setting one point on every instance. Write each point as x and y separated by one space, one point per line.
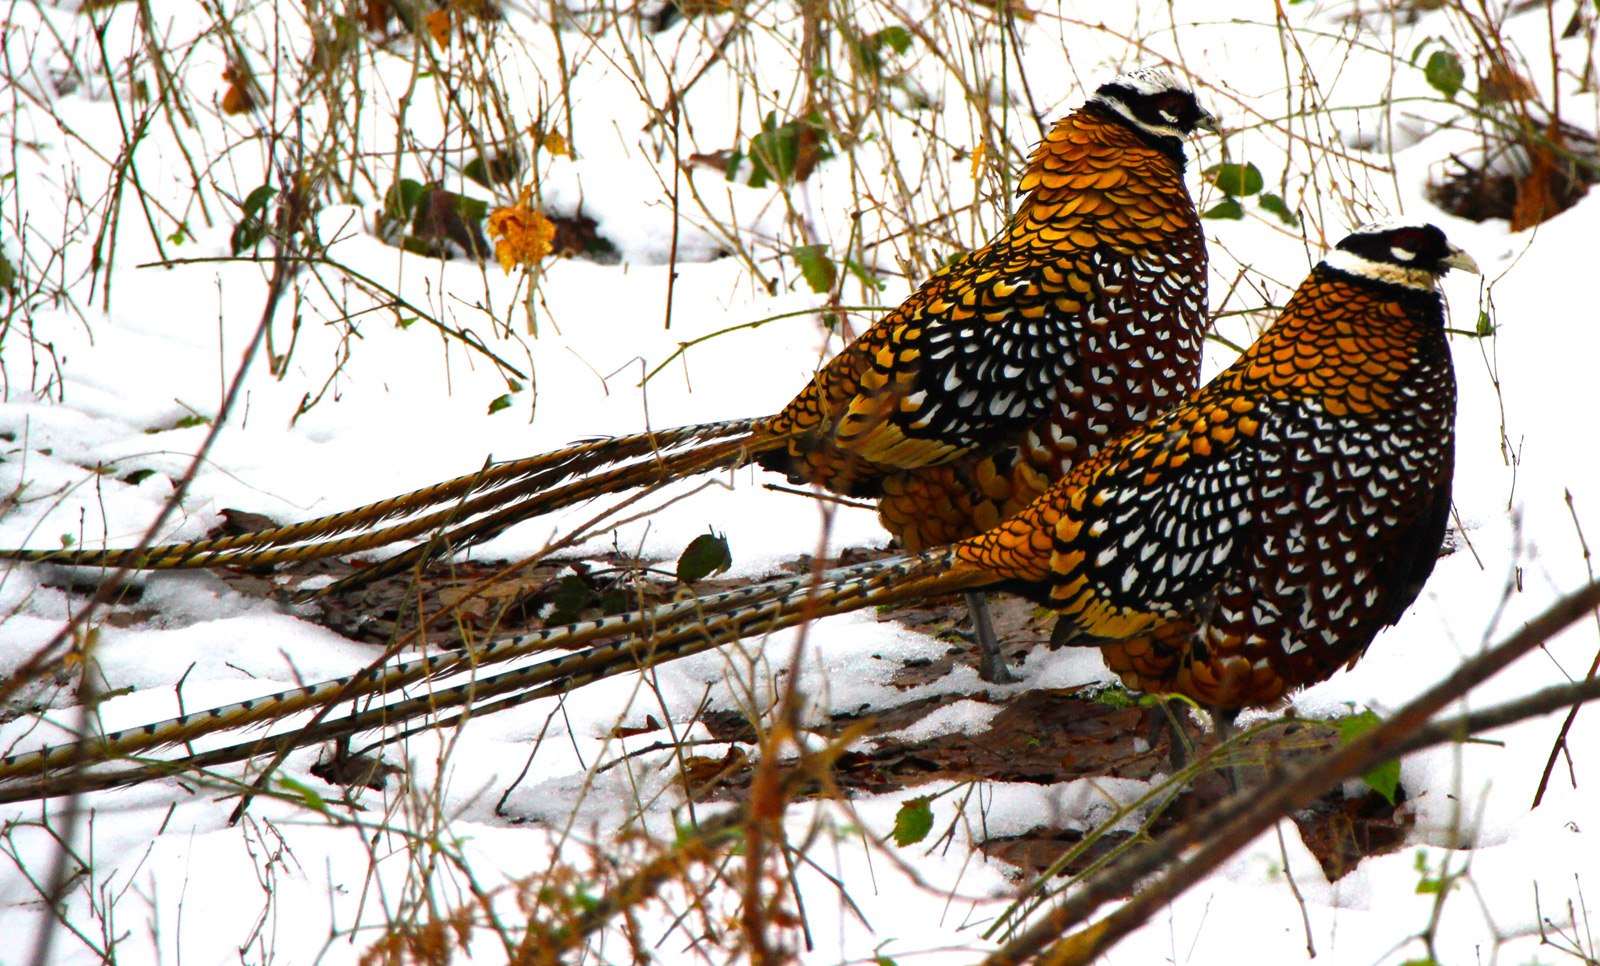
1149 80
1387 224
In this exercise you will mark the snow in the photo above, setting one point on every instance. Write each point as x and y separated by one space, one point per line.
128 352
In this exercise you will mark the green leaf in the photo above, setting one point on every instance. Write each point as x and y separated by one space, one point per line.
253 226
246 235
1429 883
1384 779
471 209
896 38
775 152
913 822
256 201
735 159
8 275
767 152
1238 180
1485 325
138 476
305 793
567 601
498 168
403 199
1115 697
1444 72
816 266
1226 208
499 403
616 600
705 555
1276 205
866 278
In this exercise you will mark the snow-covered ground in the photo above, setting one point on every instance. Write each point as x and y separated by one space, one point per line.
1333 107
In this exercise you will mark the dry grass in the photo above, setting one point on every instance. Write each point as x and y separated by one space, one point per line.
296 129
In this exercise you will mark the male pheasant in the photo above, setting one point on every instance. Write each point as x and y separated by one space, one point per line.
1247 543
1081 319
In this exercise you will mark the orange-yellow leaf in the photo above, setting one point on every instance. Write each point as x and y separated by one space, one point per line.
438 22
236 99
555 143
522 234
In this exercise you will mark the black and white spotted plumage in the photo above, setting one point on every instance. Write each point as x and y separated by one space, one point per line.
1247 543
1015 352
1257 537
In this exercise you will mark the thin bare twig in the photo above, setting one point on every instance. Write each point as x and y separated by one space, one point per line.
1239 819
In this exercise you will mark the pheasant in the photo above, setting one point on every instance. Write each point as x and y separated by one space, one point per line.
1245 544
1081 319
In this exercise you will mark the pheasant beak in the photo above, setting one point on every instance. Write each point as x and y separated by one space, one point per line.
1208 122
1460 259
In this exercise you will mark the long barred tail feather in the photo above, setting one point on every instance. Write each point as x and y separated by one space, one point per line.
460 498
1166 547
646 639
531 499
507 688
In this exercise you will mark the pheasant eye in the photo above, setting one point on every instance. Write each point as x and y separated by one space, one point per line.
1172 104
1406 243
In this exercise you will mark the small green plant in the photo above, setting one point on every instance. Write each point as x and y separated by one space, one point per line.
1384 779
1240 181
785 152
705 556
914 821
1532 164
